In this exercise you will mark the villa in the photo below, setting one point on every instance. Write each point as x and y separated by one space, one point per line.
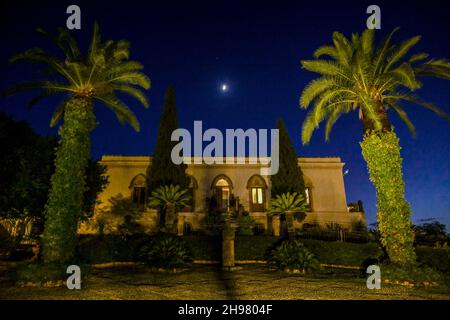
325 191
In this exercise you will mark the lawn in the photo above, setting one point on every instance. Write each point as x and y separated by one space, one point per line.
209 282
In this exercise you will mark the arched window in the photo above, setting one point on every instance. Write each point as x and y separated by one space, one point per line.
257 193
139 190
222 188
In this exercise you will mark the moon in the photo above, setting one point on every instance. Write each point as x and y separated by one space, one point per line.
224 87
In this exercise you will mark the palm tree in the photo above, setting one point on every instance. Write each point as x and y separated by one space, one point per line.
357 76
286 205
169 200
82 79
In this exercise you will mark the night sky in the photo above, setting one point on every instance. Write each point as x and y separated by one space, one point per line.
255 47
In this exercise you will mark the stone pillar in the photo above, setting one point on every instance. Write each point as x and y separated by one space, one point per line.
228 236
180 225
276 225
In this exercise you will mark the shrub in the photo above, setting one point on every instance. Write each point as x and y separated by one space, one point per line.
436 258
410 275
344 253
165 251
204 247
107 248
213 224
6 243
292 254
253 247
245 225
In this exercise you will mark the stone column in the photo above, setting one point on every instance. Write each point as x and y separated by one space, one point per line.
180 224
228 236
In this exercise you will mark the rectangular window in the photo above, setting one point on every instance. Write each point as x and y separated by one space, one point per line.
257 195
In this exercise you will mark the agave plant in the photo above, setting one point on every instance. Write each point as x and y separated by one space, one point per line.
81 79
286 205
169 199
356 75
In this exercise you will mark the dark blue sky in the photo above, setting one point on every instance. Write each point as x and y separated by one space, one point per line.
255 47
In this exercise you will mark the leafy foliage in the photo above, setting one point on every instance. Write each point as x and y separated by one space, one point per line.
102 72
122 209
382 154
169 200
162 171
165 196
245 224
289 177
65 203
213 223
292 254
285 202
165 251
97 75
355 75
409 275
26 167
431 233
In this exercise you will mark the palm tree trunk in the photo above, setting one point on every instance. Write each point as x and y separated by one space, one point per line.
290 224
171 218
381 151
68 182
369 125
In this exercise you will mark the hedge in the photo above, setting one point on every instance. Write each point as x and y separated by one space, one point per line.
110 248
438 259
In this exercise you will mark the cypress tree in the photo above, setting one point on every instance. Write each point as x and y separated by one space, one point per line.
289 177
162 171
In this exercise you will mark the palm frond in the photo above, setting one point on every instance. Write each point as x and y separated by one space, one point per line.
315 88
324 67
123 113
382 52
401 51
403 116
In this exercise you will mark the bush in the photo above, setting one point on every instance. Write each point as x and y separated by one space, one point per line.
292 254
107 248
165 251
6 243
344 253
204 247
245 225
253 247
409 276
213 224
436 258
